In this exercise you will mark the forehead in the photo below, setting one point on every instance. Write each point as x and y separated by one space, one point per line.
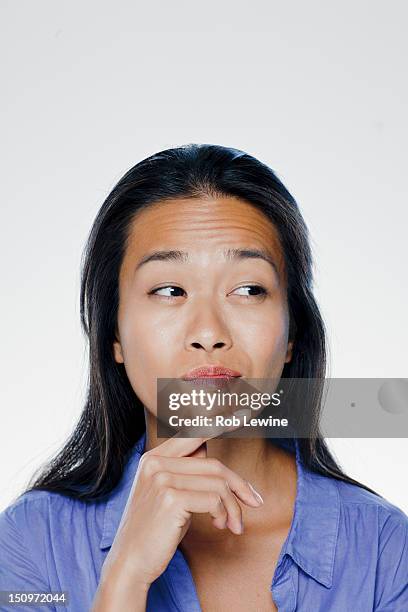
202 226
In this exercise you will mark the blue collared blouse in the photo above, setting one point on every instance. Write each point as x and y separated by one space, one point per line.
346 550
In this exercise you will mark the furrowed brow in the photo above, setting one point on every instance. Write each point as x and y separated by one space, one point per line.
229 254
178 256
234 254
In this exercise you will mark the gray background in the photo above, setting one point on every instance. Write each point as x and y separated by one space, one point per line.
316 90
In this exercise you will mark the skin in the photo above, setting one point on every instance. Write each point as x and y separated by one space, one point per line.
212 319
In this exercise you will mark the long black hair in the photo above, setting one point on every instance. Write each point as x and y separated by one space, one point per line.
92 460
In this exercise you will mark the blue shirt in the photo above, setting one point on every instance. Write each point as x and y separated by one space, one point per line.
346 549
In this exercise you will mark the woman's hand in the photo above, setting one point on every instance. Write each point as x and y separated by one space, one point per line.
173 481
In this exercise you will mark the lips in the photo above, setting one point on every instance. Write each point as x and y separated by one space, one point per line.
211 371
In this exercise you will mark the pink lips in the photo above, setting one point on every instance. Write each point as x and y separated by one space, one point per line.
211 371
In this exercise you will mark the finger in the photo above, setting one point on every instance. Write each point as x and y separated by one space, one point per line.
202 466
206 483
178 446
202 502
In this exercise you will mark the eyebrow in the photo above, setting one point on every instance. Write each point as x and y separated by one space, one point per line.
229 254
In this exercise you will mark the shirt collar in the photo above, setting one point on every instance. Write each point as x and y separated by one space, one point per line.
312 538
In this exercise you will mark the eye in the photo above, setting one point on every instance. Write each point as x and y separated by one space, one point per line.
259 290
168 287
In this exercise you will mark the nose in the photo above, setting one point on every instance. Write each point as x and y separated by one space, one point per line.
208 331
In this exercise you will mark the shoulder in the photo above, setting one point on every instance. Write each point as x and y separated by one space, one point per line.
373 538
29 506
24 542
27 523
374 523
38 522
367 504
32 507
49 513
45 535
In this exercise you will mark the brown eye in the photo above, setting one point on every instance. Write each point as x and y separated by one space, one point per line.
168 287
256 290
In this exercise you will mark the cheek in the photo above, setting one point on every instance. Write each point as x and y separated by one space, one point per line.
148 350
264 339
268 351
144 338
265 335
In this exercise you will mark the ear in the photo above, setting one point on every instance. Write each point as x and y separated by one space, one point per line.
117 352
289 352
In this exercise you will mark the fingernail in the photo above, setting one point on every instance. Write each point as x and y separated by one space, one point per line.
256 494
242 412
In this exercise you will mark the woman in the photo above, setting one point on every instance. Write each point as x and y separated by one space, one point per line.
199 258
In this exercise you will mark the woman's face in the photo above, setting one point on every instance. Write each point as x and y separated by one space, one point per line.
205 307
